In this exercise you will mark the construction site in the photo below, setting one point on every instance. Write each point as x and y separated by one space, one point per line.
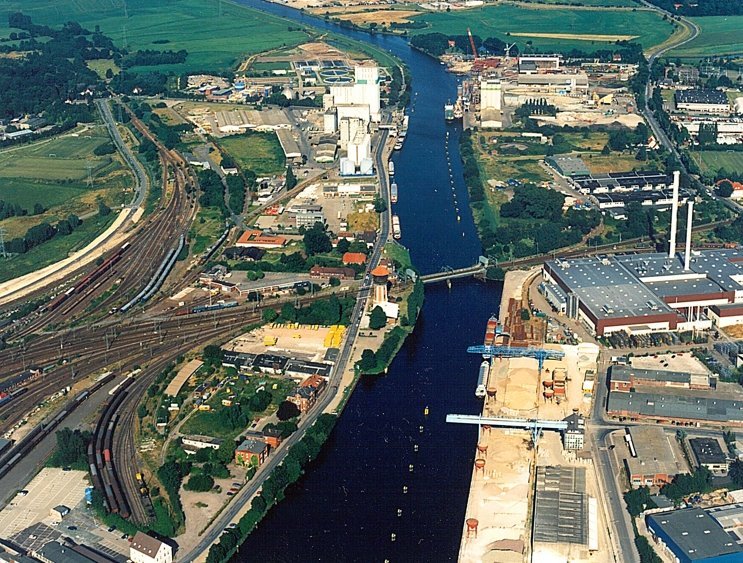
533 494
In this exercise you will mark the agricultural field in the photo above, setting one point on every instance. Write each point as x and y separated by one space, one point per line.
54 173
711 161
213 41
720 36
259 152
55 249
565 28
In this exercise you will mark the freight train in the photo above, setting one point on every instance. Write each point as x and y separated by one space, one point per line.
21 449
100 458
87 280
206 308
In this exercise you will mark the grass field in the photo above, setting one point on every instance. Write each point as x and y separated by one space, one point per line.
259 152
54 173
720 36
100 66
55 249
625 3
206 229
712 161
212 41
500 20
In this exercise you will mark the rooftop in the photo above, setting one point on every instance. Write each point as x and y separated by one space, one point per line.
701 97
561 505
694 533
687 405
627 374
654 453
252 446
707 450
146 544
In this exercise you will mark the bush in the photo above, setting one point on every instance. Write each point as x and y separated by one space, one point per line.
199 483
287 411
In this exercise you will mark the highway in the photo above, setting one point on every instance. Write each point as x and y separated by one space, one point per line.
276 458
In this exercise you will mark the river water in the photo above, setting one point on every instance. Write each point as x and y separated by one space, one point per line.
345 508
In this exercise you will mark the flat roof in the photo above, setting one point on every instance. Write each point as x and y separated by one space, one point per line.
561 505
654 452
701 97
688 405
695 533
627 373
707 450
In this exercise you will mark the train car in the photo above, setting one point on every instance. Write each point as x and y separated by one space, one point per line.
214 307
57 301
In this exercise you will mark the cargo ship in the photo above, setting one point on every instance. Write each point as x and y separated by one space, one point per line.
391 166
393 192
449 112
396 227
398 145
458 111
490 330
482 380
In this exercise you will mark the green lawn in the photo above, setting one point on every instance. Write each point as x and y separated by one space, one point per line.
712 161
259 152
490 21
721 35
212 41
55 249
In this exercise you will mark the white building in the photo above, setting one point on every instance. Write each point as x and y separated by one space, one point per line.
146 549
363 95
491 94
350 127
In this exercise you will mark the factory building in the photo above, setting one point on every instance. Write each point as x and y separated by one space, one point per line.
362 98
622 182
568 166
626 378
702 101
692 535
646 293
676 406
568 84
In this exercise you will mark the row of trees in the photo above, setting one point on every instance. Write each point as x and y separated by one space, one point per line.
39 234
372 363
333 310
150 57
8 210
705 8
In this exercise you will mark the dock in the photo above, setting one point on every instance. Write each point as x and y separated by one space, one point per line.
498 524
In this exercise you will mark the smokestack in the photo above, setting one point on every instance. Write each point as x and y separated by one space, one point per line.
689 220
674 213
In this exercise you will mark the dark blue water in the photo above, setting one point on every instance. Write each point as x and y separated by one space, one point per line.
346 506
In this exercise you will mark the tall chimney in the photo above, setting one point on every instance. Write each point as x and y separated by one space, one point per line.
674 213
689 220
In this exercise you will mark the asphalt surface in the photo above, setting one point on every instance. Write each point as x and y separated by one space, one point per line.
242 497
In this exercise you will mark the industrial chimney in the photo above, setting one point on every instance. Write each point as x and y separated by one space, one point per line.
689 220
674 213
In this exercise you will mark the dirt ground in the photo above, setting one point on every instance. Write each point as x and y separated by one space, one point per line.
682 361
297 340
381 17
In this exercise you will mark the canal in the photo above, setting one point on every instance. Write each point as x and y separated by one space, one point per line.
351 499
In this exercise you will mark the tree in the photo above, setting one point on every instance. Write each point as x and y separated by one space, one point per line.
334 282
380 206
260 401
367 362
287 410
736 472
213 355
377 318
316 240
199 483
343 245
71 447
269 316
724 188
291 179
103 209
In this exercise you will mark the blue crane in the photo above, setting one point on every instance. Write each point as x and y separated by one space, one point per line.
515 352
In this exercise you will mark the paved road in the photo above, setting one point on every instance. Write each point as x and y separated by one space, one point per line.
277 457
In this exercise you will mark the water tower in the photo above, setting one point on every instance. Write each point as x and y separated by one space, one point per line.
380 275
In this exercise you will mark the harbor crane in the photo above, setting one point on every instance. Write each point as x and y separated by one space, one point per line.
472 43
533 425
508 51
540 354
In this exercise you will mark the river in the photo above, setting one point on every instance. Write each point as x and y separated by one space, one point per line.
345 508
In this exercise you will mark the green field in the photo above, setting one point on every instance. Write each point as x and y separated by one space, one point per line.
712 161
499 20
624 3
212 41
54 173
206 229
55 249
259 152
721 35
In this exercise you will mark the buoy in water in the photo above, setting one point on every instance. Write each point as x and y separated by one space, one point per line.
410 467
399 512
393 536
420 429
415 448
425 411
404 489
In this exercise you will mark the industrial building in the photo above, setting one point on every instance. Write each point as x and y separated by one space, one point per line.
702 101
650 460
146 549
708 454
692 535
568 166
563 512
644 293
573 437
626 378
671 406
622 182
